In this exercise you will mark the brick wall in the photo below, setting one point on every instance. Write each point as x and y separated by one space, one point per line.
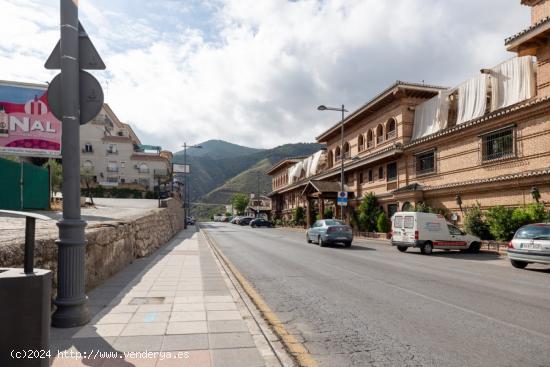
540 11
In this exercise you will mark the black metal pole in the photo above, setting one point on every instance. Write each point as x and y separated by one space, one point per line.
184 185
342 162
71 272
30 225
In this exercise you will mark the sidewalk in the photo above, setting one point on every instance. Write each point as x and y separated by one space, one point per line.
174 308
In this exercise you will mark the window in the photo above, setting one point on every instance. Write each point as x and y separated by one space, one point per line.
391 128
361 178
425 162
454 231
330 159
499 144
370 175
112 149
87 148
409 222
391 172
337 156
380 173
379 134
143 168
361 142
88 165
112 179
398 221
370 139
346 150
112 167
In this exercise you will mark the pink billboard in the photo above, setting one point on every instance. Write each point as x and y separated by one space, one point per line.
27 126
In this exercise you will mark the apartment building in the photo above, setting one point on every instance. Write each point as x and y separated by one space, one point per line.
114 156
486 140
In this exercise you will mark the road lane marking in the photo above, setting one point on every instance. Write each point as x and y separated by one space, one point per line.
463 309
296 348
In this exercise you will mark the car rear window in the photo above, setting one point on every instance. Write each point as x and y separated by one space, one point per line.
332 222
409 222
398 222
534 232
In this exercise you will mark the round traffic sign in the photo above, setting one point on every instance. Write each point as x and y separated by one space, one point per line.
91 97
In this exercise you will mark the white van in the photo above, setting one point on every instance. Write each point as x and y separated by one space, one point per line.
429 231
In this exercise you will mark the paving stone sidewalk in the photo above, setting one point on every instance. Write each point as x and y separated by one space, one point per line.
174 308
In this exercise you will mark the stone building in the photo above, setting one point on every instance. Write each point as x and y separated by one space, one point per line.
486 140
113 154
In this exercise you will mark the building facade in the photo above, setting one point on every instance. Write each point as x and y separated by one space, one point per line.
112 154
484 141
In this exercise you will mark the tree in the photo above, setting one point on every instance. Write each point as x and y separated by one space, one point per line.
475 224
239 202
368 212
382 223
86 175
298 216
56 174
501 222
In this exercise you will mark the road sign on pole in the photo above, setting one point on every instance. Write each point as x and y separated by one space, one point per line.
342 198
73 52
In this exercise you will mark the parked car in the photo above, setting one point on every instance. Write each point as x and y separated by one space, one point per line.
190 221
429 231
235 220
245 221
531 244
259 222
327 231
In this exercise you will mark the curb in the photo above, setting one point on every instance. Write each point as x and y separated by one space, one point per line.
291 344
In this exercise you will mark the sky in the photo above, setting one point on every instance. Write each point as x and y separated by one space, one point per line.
252 72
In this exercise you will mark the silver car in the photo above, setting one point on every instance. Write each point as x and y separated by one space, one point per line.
531 244
327 231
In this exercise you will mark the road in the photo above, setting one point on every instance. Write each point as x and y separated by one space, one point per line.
372 305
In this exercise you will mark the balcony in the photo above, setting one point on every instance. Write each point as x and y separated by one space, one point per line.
361 147
391 135
370 144
87 150
109 151
379 139
112 169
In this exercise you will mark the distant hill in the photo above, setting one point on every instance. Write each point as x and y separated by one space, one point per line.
216 177
217 149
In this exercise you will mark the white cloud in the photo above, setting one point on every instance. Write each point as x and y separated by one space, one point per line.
255 75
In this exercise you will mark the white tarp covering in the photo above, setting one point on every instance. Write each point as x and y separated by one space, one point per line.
512 81
431 116
315 158
309 166
472 98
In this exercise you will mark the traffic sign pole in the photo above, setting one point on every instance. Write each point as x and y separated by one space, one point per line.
71 298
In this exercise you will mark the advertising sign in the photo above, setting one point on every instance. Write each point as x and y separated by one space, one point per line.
27 125
181 168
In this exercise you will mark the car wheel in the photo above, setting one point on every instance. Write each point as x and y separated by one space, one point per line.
320 242
427 249
518 264
347 244
474 247
307 238
402 248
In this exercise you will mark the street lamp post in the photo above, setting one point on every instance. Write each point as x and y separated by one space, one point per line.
343 110
186 182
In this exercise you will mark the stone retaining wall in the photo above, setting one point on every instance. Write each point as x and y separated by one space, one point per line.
111 246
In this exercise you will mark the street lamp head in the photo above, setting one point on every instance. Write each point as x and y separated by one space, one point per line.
322 108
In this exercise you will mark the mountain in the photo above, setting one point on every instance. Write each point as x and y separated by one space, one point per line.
217 149
223 169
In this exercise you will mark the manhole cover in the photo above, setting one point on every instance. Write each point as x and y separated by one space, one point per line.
147 301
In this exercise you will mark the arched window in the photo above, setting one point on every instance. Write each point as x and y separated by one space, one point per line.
370 139
330 159
391 129
346 150
88 165
380 173
337 155
88 148
361 142
407 207
379 134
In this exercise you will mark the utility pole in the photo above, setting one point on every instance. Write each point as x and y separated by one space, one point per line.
185 186
258 197
342 161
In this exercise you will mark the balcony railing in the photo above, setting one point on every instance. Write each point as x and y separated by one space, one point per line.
391 134
84 150
112 169
370 144
112 151
379 139
361 147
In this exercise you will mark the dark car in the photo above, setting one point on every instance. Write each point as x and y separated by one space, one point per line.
190 221
245 221
260 223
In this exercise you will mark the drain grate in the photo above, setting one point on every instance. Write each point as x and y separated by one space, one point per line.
147 300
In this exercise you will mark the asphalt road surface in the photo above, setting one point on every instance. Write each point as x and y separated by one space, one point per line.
372 305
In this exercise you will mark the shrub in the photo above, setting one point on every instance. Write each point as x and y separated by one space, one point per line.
368 212
537 213
298 216
328 214
382 223
501 223
475 224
